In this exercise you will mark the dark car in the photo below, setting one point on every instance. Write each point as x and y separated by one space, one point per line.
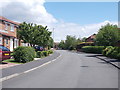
39 48
4 53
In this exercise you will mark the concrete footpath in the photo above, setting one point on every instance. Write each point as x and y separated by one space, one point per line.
114 62
27 66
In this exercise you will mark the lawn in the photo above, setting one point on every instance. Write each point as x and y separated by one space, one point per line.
12 61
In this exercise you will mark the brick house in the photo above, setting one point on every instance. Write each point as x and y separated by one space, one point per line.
8 34
91 38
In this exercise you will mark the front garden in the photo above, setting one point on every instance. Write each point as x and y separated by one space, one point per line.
24 54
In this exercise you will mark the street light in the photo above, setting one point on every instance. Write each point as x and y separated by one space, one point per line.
53 38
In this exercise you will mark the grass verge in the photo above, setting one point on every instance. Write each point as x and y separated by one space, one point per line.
12 61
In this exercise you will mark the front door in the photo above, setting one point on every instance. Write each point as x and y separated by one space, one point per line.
11 44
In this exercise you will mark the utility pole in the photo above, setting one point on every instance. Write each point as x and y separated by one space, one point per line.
53 37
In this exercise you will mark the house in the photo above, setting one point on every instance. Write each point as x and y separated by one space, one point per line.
8 33
91 38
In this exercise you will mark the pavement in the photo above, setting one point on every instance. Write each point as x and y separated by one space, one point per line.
114 62
27 66
7 65
69 70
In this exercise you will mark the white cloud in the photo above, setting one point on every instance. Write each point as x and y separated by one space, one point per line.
27 10
62 29
35 12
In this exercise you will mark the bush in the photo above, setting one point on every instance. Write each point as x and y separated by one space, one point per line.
50 51
112 52
118 56
39 54
106 50
45 53
93 49
110 49
24 54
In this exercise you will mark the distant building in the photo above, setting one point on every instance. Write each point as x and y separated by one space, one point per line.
91 38
8 35
56 45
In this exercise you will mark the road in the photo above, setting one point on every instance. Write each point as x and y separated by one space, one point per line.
70 70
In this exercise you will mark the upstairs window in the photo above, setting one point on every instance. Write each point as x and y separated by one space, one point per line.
11 27
6 26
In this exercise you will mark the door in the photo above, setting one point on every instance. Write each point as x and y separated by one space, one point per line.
11 44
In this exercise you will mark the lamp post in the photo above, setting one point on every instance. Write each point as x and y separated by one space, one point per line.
53 38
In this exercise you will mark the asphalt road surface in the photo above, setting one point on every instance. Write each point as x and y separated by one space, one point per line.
70 70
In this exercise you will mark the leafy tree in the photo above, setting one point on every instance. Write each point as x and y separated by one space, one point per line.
79 41
107 35
34 34
84 39
50 43
70 43
62 44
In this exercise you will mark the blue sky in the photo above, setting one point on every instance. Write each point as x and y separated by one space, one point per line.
80 19
83 12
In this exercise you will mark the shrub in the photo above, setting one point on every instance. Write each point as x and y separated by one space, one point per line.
24 54
112 52
45 53
118 56
39 54
93 49
109 51
106 50
50 51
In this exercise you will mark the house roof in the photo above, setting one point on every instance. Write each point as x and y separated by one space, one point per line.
92 36
5 19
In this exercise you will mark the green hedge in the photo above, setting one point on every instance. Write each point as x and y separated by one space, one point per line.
50 51
112 52
43 53
93 49
39 54
24 54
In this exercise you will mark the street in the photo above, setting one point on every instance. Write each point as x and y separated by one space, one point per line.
70 70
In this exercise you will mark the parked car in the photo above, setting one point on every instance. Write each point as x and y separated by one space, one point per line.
39 48
4 53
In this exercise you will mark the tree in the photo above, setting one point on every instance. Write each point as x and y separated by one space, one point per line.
84 39
62 44
107 35
70 42
34 34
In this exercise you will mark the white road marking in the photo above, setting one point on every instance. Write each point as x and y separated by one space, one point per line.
16 74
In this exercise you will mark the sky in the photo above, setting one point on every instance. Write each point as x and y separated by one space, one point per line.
80 19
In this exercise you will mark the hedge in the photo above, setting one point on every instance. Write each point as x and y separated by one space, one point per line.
40 54
112 52
93 49
50 51
24 54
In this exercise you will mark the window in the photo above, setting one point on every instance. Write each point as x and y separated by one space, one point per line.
11 27
6 41
6 26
